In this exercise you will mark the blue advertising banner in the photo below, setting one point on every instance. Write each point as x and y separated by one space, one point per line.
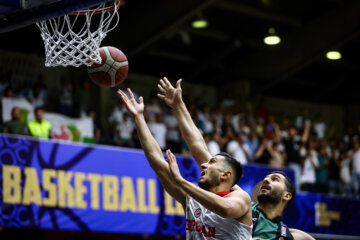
78 187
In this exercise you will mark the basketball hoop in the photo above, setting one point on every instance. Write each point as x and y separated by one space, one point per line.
74 39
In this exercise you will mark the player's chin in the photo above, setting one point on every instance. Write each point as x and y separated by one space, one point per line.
264 191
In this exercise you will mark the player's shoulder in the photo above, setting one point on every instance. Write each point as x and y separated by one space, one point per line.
300 235
240 193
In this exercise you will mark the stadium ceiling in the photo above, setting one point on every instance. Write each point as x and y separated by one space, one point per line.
159 41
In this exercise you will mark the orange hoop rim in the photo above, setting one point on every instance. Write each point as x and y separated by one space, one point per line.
98 11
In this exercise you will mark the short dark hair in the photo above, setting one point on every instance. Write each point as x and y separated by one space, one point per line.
289 187
40 108
234 164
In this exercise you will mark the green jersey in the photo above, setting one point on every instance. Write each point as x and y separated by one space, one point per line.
266 229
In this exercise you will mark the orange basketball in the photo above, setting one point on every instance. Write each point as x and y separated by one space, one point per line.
112 70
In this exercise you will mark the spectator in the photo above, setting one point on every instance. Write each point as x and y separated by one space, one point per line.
262 111
38 95
319 127
97 128
153 108
308 176
236 146
345 174
277 155
206 118
212 143
15 126
263 155
243 127
334 172
172 135
158 129
66 101
116 118
39 127
8 92
356 167
301 119
292 147
253 142
322 171
125 130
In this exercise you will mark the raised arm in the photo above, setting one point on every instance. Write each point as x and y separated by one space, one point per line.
234 205
151 147
306 133
191 134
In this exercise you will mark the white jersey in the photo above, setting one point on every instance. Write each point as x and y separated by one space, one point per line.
201 223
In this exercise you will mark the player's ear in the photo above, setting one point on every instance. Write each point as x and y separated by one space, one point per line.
287 196
226 175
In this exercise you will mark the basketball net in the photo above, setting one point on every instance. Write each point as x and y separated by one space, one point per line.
74 39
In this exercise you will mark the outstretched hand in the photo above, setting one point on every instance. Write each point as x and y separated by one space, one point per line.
131 104
172 96
173 166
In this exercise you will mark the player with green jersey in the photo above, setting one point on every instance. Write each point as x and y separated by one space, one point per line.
273 196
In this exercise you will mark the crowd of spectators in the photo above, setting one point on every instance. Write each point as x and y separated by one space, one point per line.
321 162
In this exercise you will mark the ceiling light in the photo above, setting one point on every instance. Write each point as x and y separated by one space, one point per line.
199 22
333 55
272 38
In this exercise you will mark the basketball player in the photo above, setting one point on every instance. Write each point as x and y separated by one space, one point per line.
277 186
212 211
270 198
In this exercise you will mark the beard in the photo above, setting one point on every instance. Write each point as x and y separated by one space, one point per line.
212 181
272 198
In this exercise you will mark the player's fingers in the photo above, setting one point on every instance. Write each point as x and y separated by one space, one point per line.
141 100
167 82
171 155
178 83
130 93
161 96
162 82
122 95
161 88
167 156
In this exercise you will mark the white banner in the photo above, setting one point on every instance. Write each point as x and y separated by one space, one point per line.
62 127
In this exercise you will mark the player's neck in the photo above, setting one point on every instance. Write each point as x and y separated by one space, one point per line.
272 211
219 188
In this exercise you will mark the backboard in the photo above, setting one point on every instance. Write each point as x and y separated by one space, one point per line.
20 13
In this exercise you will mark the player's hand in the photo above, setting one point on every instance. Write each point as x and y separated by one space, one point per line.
134 107
172 96
173 166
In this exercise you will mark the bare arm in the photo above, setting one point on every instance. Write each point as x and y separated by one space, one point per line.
306 133
195 141
300 235
260 151
151 147
235 205
277 131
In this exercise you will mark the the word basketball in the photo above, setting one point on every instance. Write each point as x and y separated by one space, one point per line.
112 70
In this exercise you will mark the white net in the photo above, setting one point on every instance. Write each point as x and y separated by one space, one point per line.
74 39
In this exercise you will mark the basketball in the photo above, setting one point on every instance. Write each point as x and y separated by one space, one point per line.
112 70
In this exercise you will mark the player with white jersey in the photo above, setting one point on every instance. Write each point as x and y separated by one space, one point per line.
214 174
212 211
